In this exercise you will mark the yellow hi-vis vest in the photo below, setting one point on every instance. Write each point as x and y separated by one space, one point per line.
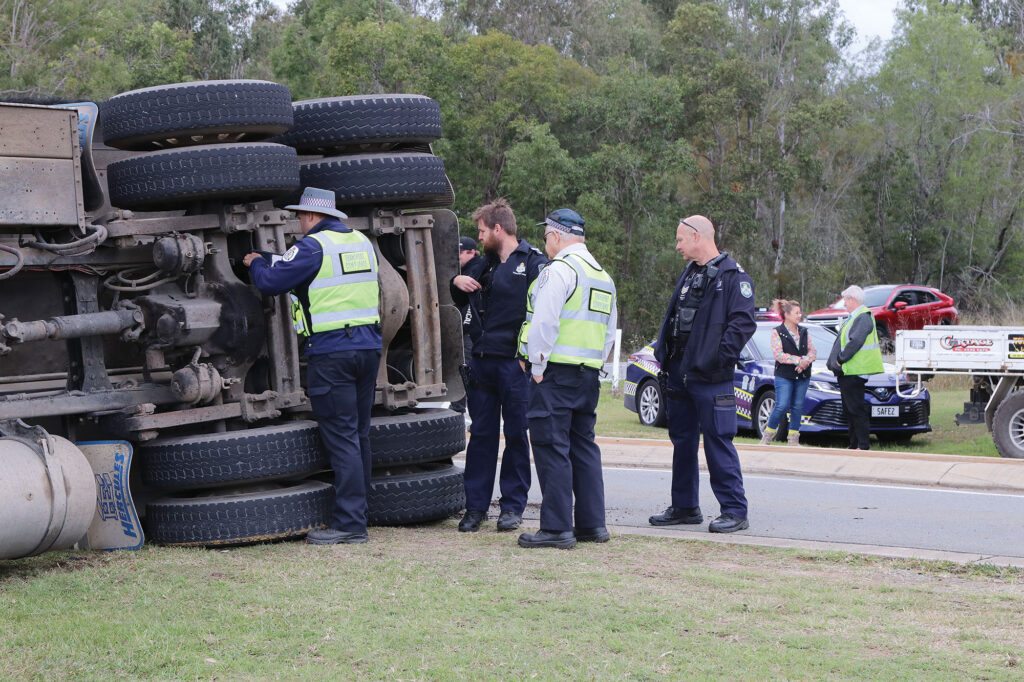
345 292
583 321
868 360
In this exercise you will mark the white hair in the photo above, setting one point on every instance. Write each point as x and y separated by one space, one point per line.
854 292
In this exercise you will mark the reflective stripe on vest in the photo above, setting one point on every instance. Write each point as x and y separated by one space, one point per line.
345 291
867 360
298 317
583 320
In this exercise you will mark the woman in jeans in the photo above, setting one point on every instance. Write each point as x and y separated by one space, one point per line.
794 354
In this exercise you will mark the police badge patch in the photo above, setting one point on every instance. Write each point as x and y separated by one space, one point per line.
291 253
746 289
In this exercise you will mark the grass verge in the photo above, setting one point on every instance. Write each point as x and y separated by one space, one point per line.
946 438
430 603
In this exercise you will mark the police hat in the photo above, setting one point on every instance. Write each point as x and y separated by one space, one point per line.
316 200
566 220
467 244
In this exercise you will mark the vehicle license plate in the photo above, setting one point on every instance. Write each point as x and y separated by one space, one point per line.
885 410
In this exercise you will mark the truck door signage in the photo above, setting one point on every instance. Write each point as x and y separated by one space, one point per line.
1016 346
964 344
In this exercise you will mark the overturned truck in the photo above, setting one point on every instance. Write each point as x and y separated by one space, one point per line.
145 386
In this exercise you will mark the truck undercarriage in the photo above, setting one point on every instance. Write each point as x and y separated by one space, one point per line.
127 317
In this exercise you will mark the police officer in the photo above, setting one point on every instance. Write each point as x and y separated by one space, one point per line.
332 271
569 331
709 319
498 388
855 356
470 264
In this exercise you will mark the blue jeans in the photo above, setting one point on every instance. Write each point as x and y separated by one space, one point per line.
789 397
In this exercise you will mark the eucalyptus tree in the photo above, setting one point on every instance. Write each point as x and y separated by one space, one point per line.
764 103
944 191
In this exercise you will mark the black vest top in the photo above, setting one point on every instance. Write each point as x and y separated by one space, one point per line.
788 346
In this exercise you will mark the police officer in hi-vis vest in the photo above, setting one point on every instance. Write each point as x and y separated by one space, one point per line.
855 356
569 330
332 272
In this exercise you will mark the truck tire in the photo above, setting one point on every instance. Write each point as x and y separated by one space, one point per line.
266 453
1008 426
417 438
184 114
234 518
177 177
324 126
406 179
415 494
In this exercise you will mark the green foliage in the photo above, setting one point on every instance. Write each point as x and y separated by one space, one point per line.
538 171
492 87
816 172
942 191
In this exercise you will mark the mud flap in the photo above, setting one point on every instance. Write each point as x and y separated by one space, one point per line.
116 523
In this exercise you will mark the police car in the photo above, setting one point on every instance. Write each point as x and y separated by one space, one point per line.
893 418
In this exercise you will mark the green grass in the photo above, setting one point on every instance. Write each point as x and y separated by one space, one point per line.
946 438
431 603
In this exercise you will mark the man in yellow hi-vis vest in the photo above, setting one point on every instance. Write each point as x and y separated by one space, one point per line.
855 356
332 273
569 330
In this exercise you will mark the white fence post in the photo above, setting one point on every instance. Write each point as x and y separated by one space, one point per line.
615 361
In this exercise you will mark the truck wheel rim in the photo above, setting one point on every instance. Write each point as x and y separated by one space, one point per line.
650 403
1017 429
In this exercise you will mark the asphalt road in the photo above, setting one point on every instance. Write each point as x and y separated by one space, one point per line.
820 510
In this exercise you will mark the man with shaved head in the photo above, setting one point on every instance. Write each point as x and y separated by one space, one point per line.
709 319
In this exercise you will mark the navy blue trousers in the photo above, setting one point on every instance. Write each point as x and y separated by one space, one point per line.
562 414
858 414
499 391
340 387
708 409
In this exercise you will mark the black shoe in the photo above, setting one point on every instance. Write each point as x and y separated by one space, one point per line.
676 515
546 538
333 536
728 523
470 523
509 520
599 534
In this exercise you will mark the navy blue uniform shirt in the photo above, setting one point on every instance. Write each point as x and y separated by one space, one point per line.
294 273
723 324
501 302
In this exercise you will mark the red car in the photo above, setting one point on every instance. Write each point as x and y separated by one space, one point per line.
895 306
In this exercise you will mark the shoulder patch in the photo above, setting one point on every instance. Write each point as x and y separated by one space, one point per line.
543 278
290 254
746 289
